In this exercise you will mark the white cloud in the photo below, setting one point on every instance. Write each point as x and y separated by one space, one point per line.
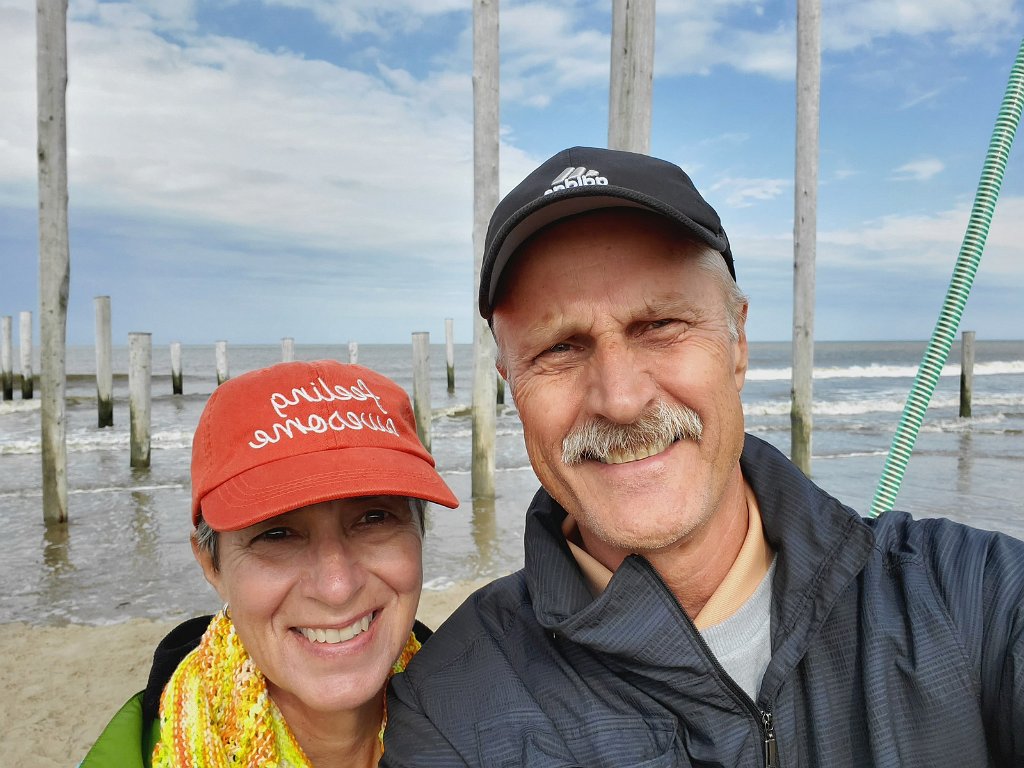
922 98
742 193
218 130
919 170
695 36
965 23
546 49
18 86
928 243
346 18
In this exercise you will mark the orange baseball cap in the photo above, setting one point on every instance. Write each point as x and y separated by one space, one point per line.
294 434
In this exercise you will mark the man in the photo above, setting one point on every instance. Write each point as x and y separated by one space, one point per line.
689 597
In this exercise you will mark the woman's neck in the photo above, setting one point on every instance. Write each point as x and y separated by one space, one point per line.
349 738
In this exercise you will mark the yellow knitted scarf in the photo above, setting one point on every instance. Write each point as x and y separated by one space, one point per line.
215 711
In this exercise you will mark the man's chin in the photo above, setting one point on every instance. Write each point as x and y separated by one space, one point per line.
626 537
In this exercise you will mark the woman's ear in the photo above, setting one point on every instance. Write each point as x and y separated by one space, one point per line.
204 557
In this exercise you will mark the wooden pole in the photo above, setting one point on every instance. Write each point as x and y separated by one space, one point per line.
54 252
966 373
353 352
6 358
140 364
421 385
25 352
221 351
808 90
287 349
449 353
104 366
485 199
632 75
176 379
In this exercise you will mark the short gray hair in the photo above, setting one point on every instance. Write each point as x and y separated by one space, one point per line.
207 539
711 263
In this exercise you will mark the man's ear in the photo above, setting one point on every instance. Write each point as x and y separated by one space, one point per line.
210 571
742 351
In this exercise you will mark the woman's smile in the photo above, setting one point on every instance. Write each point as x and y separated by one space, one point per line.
332 636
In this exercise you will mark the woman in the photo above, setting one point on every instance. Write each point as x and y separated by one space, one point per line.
308 490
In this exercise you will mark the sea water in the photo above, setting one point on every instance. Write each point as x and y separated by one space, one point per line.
125 552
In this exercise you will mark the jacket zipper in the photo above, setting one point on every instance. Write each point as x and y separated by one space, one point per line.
771 755
762 717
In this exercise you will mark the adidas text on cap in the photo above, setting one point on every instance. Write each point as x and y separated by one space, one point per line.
294 434
585 179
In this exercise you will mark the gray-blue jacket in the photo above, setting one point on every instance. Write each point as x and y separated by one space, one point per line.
894 643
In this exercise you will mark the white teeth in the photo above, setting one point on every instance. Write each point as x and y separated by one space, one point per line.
622 457
333 636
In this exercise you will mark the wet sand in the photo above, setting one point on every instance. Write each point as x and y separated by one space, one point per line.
62 684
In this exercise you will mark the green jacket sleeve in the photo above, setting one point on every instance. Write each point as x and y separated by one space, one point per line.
127 741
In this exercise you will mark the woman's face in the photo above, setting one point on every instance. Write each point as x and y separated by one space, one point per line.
323 597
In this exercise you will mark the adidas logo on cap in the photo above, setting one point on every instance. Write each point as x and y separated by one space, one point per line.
576 177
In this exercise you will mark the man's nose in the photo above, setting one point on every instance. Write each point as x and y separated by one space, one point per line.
620 385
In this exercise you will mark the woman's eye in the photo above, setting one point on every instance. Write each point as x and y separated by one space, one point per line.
376 516
274 534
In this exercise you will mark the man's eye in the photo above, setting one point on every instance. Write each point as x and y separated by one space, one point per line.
560 347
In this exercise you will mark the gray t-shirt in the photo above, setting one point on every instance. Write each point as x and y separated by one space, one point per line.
743 642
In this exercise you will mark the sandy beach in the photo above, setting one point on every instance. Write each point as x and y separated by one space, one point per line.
62 684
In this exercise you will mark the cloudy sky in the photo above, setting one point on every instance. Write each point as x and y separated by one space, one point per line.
255 169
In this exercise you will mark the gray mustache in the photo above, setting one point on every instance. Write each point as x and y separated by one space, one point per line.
596 439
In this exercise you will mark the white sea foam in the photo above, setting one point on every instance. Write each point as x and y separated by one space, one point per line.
861 407
98 440
438 584
850 455
18 406
37 492
875 371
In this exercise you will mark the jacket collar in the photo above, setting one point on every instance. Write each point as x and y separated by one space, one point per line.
821 546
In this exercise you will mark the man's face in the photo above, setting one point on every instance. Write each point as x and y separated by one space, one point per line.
602 319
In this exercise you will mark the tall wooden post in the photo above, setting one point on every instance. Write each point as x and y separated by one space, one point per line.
966 373
449 353
287 349
808 90
632 75
104 364
54 253
6 358
25 353
140 364
221 352
485 199
353 352
176 378
421 385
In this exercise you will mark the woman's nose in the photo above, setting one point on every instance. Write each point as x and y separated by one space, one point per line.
336 571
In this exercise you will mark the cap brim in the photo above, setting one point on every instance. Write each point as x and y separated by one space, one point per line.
562 204
297 481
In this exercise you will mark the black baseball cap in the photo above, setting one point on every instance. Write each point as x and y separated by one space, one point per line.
585 179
